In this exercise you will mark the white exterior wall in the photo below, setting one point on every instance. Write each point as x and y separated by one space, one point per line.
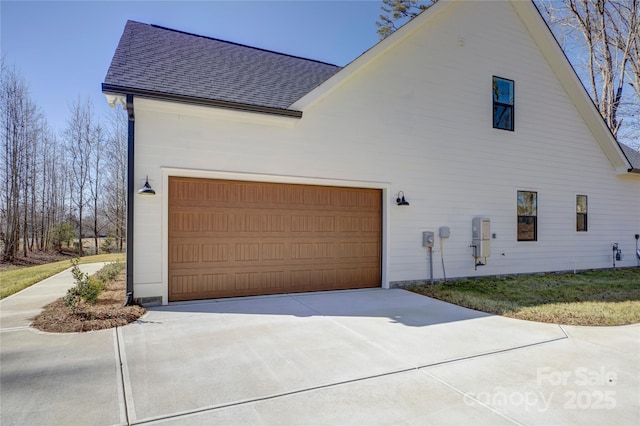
418 119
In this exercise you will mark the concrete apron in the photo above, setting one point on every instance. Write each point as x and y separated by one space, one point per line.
356 357
351 357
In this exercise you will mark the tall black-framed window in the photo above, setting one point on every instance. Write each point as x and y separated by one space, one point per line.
527 216
503 103
582 207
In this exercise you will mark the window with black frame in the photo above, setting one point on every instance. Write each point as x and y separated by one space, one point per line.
503 103
581 213
527 216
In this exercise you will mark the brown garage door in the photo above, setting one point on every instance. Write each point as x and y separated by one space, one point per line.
233 238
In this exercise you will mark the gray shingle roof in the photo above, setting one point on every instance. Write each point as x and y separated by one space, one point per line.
164 61
632 155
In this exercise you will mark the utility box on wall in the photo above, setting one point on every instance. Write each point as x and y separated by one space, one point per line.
481 235
427 239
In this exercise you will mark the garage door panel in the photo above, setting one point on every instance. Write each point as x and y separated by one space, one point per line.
180 253
203 251
232 194
255 280
194 220
198 268
215 253
230 238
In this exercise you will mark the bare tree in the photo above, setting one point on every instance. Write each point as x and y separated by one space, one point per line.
629 24
607 31
32 172
17 115
47 196
33 129
116 183
48 184
96 177
79 146
52 187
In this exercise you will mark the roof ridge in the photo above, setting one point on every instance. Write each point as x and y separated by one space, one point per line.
235 44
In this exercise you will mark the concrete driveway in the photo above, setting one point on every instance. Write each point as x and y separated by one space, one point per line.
349 357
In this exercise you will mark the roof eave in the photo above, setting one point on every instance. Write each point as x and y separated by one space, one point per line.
632 168
149 94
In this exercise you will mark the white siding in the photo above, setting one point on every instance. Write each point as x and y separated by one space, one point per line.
417 119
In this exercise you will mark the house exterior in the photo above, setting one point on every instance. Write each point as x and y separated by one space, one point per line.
276 174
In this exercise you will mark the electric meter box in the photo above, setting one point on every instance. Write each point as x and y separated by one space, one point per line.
427 239
481 235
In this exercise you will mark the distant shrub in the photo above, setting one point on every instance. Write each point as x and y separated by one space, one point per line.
108 245
61 233
109 272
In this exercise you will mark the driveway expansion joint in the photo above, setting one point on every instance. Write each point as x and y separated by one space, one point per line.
421 368
466 395
127 407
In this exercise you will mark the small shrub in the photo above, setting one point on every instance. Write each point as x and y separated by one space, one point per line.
109 272
86 289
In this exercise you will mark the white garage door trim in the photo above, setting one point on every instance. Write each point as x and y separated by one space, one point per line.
209 174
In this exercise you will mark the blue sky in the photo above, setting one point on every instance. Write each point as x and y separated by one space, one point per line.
63 48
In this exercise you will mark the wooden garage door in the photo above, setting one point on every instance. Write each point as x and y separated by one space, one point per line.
233 238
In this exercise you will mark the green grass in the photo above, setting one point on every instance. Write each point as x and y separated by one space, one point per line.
606 298
16 279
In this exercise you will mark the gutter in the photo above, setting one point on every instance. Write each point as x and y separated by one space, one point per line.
200 101
131 190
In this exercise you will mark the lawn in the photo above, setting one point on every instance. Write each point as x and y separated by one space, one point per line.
16 279
602 298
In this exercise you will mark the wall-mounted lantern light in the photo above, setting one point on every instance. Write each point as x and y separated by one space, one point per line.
400 200
146 188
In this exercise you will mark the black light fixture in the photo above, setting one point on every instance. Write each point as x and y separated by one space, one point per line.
146 188
400 200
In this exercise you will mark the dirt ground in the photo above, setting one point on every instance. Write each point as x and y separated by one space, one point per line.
107 312
41 257
37 258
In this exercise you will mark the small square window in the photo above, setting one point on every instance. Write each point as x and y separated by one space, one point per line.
527 216
503 103
581 213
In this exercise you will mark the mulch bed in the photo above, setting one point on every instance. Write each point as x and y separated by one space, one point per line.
107 312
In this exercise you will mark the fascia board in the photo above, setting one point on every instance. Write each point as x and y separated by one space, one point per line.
548 45
170 97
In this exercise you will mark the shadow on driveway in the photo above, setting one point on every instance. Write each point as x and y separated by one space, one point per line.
289 359
212 354
399 306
